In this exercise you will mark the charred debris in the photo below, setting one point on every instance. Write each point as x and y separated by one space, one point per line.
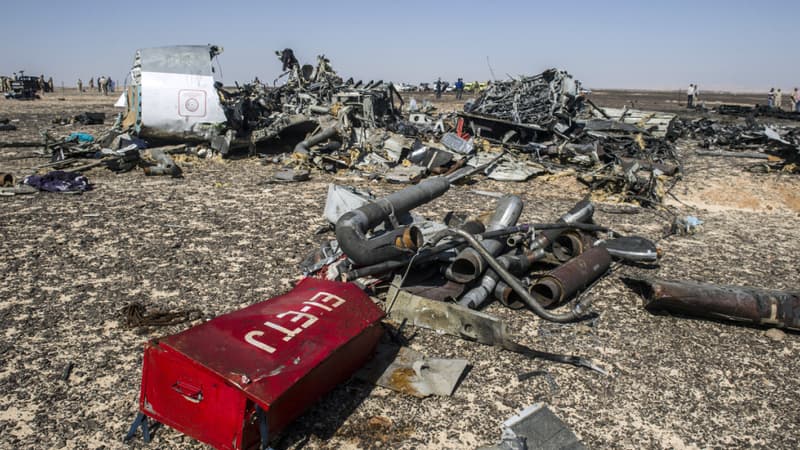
776 145
313 119
435 274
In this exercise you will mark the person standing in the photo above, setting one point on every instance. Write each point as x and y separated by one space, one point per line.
690 96
771 98
795 100
80 86
459 88
104 85
779 99
438 87
91 83
50 86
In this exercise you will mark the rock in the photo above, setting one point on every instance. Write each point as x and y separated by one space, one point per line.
775 334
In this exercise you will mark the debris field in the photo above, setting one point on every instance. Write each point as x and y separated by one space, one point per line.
89 278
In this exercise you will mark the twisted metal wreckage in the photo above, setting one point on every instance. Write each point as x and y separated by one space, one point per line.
237 380
525 127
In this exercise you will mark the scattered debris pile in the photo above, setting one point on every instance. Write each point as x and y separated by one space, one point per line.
84 118
542 124
757 111
547 101
547 122
778 145
467 260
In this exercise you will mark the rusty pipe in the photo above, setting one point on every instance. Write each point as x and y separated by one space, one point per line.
514 283
571 244
580 213
756 306
562 283
516 264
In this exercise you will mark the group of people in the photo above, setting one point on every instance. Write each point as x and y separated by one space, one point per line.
440 86
775 99
45 86
42 84
104 85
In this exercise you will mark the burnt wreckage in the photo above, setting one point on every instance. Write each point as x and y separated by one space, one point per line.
516 129
236 381
525 127
313 98
549 121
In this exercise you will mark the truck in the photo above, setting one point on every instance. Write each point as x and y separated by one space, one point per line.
24 88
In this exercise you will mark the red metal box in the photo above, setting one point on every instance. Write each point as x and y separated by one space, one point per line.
281 355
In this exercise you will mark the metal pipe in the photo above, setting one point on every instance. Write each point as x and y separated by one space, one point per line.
303 146
515 264
319 109
515 240
562 283
505 295
469 264
570 226
581 212
428 254
738 303
514 283
571 244
352 227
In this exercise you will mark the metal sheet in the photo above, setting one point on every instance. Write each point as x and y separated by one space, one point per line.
410 372
536 427
182 59
342 200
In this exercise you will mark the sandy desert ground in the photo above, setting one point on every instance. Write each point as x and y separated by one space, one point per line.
216 240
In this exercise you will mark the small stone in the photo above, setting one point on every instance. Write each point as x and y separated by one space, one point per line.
775 334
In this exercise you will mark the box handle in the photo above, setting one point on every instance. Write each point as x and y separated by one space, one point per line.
190 392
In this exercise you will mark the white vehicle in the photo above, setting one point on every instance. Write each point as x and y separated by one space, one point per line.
405 87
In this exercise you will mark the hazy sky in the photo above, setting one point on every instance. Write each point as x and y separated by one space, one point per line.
720 44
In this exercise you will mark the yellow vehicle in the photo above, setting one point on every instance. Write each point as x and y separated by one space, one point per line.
476 86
